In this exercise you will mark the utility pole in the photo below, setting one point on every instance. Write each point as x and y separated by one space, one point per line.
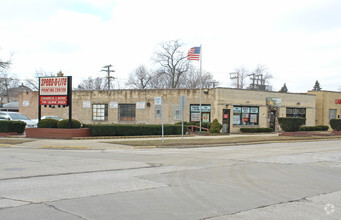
108 71
235 75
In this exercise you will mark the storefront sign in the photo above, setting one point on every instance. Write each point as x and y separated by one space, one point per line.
337 101
25 103
54 90
204 108
53 86
274 101
113 105
53 100
140 105
86 104
158 100
206 117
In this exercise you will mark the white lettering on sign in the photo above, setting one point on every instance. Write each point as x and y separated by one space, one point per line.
53 86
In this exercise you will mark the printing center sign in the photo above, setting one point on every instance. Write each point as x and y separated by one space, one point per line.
53 90
53 86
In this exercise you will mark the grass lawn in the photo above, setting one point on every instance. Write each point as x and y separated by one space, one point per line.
197 142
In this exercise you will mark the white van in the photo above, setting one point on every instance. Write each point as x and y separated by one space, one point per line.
16 116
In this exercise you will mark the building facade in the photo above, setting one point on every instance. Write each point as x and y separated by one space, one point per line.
234 108
328 106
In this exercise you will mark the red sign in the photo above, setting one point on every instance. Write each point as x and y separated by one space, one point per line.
53 86
226 116
337 101
53 100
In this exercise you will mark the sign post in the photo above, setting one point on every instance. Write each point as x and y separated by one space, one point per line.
158 101
182 104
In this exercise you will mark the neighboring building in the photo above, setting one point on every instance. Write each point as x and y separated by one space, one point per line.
10 107
234 108
328 106
12 95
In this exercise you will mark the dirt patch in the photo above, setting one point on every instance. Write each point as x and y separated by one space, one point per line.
13 141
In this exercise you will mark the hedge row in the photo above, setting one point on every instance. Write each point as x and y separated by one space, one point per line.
256 130
133 130
53 123
335 124
314 128
12 126
291 124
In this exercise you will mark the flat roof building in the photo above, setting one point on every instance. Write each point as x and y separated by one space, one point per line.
234 108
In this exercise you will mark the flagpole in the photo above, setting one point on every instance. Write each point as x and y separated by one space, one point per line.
200 81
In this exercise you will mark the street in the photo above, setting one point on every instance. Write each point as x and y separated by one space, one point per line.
296 180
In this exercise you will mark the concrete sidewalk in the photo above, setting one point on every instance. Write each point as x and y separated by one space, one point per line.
100 144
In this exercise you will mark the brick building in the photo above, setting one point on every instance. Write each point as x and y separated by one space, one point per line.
234 108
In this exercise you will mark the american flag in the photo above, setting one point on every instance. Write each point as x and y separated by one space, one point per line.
194 53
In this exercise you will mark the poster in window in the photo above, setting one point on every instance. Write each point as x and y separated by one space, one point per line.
254 110
236 119
253 118
206 117
237 110
246 110
245 117
195 116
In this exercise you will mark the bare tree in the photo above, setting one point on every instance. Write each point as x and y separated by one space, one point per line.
33 83
194 79
98 83
173 62
140 78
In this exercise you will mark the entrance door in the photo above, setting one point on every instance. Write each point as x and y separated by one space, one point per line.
273 119
226 121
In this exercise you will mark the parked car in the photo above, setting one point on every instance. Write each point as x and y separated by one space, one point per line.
16 116
48 117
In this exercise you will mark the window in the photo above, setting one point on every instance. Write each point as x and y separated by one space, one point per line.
295 112
245 115
177 113
127 112
205 112
158 111
99 112
332 114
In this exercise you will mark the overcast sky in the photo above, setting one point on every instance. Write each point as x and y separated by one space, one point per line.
298 40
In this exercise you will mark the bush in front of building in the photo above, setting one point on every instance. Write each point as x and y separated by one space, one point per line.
335 124
256 130
291 124
314 128
48 123
133 129
65 123
203 124
12 126
215 126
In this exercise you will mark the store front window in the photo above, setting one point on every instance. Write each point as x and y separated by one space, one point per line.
127 112
296 112
100 112
205 113
245 115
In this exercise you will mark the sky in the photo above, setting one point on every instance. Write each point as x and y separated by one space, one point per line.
298 40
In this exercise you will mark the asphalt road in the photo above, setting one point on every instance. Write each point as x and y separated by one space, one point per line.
264 181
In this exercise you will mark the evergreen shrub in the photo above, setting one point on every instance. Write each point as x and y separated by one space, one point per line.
65 123
12 126
133 129
291 124
48 123
256 130
335 124
215 126
314 128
